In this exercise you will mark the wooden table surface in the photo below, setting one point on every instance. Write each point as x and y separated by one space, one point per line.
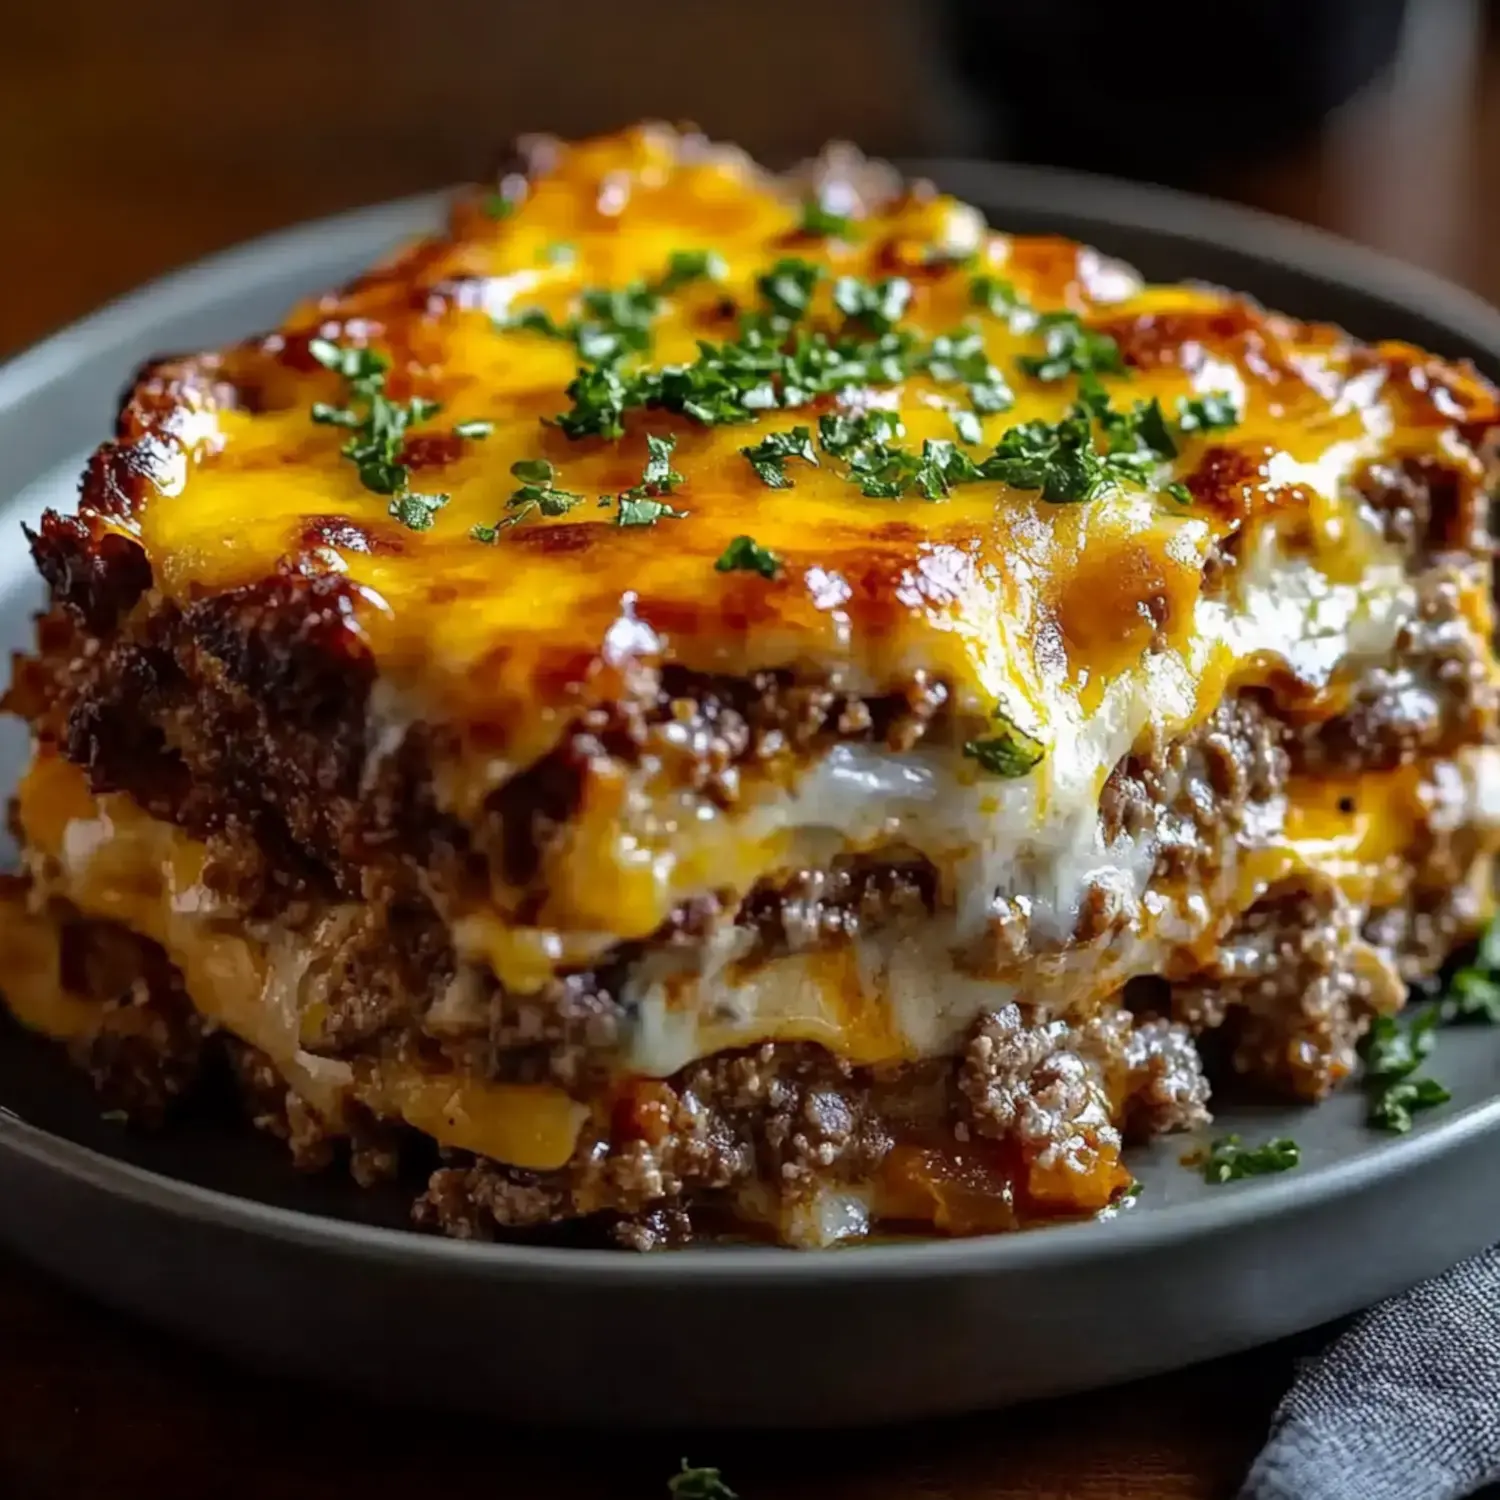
124 152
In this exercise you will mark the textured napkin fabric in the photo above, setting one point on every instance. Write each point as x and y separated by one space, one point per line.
1403 1406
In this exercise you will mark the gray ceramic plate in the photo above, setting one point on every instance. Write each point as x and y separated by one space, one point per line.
207 1232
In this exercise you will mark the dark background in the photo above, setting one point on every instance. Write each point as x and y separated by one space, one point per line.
134 138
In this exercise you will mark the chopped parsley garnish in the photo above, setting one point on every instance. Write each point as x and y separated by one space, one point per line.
995 295
1010 752
1061 459
788 286
1207 413
699 1484
616 321
536 320
1228 1160
644 510
560 253
659 471
824 223
1179 492
1142 432
1071 348
884 471
768 457
538 495
642 504
877 305
600 396
1473 995
686 266
473 430
840 433
1393 1050
745 555
968 427
377 428
1057 458
764 369
958 358
1393 1106
497 206
888 473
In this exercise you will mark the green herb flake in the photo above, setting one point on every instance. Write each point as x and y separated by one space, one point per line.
877 305
1487 956
537 495
745 555
788 286
600 396
536 320
560 253
645 510
1229 1160
1393 1106
840 434
1071 348
496 205
822 223
959 358
377 428
1009 753
1179 492
968 427
1393 1050
768 457
643 504
1473 995
659 472
699 1484
1057 458
1207 413
995 295
416 512
687 266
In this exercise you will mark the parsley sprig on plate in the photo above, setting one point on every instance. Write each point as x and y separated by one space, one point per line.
1229 1160
1395 1047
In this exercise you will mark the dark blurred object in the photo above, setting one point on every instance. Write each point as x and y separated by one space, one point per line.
1173 91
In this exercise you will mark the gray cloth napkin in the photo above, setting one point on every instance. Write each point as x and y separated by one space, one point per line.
1404 1406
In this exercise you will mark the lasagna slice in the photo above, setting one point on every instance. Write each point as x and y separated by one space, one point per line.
699 704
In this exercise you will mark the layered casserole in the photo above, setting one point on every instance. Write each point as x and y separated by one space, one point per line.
699 703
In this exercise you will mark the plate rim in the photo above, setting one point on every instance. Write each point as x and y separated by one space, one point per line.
1301 249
